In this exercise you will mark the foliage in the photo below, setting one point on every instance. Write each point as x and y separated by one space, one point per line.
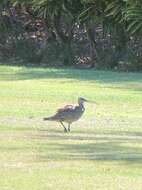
128 12
99 34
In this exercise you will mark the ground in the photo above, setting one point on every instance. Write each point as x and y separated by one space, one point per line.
103 151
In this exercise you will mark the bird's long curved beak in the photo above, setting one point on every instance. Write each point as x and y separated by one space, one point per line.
91 101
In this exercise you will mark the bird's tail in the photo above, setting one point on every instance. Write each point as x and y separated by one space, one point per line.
49 118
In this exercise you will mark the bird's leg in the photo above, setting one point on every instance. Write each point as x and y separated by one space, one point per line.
69 127
65 130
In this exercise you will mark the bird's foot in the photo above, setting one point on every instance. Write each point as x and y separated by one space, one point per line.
65 130
69 128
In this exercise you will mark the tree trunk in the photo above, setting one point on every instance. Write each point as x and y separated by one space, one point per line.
67 53
95 59
65 40
120 45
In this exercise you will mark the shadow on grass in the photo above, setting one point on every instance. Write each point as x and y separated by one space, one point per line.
115 145
103 147
66 73
91 135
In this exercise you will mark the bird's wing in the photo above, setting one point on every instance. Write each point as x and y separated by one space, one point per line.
66 113
66 108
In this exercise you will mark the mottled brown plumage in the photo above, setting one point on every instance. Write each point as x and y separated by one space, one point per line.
68 114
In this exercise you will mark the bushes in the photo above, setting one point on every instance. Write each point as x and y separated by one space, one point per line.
97 38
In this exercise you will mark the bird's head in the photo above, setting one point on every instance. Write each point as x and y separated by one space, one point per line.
81 100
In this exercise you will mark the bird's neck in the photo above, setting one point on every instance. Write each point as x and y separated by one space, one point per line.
81 105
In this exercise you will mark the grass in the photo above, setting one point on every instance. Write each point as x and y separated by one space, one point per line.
103 150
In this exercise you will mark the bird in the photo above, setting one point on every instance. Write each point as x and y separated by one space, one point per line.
69 114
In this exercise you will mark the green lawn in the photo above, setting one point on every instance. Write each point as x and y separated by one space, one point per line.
103 151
